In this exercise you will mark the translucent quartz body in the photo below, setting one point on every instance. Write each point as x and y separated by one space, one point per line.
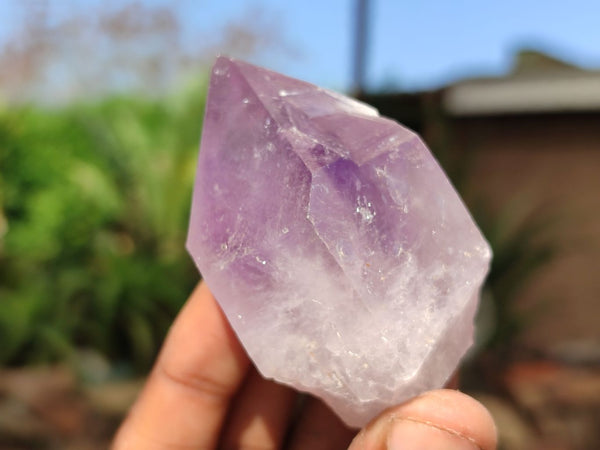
342 256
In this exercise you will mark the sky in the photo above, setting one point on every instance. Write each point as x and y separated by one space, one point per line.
412 45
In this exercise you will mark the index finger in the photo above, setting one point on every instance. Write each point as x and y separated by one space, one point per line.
186 397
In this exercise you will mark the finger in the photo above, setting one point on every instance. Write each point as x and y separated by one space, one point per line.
260 415
320 429
186 397
438 419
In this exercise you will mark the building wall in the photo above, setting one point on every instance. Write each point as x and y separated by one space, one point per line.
548 165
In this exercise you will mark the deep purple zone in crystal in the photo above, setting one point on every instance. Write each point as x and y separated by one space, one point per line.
313 216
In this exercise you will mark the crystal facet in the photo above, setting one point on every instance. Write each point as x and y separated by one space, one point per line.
340 253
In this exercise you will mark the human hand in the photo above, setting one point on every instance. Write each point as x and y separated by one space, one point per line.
203 393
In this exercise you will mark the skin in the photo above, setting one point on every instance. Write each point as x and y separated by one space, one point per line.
203 393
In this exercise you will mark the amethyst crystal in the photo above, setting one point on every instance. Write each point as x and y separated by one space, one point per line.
343 258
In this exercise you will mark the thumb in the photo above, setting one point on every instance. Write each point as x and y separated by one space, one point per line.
442 419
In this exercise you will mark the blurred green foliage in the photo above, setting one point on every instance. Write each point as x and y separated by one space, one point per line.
519 255
94 203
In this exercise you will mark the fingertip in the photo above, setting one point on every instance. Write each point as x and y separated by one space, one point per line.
436 419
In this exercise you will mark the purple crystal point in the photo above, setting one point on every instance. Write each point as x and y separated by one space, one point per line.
340 253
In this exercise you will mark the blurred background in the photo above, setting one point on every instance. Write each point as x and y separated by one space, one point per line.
101 106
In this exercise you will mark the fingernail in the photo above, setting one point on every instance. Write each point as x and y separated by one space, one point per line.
406 434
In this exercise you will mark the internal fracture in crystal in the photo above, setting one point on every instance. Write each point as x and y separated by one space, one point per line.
340 253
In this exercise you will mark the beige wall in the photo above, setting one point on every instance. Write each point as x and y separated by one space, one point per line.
551 162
